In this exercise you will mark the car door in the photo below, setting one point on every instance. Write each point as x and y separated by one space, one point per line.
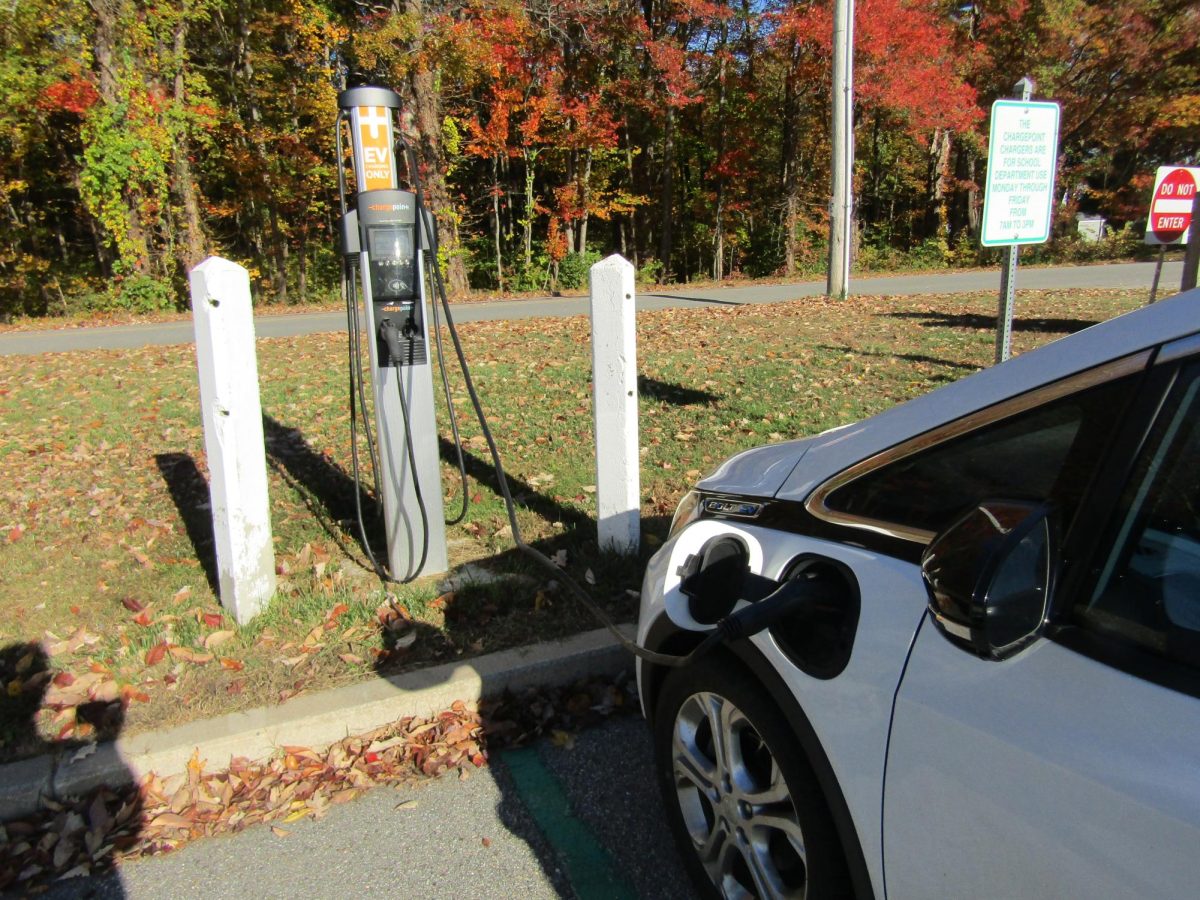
1070 769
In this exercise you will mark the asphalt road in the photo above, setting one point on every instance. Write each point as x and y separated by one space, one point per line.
120 337
486 837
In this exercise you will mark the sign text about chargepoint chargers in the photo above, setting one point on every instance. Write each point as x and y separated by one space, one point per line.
1020 180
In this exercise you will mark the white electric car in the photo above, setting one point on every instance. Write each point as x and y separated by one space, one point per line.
999 693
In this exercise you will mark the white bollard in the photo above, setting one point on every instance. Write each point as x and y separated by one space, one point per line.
233 435
615 405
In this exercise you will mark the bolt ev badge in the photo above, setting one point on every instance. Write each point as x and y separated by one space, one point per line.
741 508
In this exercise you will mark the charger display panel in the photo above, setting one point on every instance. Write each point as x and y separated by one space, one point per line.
392 254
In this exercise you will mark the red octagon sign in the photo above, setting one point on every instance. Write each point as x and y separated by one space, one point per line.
1171 208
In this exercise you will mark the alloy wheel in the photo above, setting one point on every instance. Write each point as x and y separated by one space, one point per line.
735 802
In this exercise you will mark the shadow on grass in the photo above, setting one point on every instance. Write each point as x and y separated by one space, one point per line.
705 301
675 394
910 357
327 489
980 322
189 493
524 494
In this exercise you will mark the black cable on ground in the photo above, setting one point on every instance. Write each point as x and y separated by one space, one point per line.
437 336
412 463
355 361
354 364
533 553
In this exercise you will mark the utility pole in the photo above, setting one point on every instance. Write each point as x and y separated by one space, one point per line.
841 204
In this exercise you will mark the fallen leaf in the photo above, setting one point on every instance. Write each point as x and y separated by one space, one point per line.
231 664
83 752
156 653
170 820
131 604
217 638
407 804
129 692
279 832
212 620
350 659
189 655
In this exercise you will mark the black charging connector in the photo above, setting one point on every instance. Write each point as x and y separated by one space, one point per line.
391 337
792 598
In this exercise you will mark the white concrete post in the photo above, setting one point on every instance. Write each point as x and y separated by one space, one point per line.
233 435
615 404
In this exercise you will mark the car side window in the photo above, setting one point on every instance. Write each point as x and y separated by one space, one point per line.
1148 593
1048 453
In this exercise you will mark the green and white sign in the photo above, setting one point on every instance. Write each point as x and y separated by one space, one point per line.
1022 153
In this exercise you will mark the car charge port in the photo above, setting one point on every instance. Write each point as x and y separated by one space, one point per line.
819 639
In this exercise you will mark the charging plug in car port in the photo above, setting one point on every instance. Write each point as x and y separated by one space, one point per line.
717 577
812 610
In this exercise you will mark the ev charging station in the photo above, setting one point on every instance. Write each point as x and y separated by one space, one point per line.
385 235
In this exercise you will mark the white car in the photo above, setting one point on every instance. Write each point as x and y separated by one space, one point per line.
995 691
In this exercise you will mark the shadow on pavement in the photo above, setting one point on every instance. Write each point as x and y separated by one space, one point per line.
588 805
70 838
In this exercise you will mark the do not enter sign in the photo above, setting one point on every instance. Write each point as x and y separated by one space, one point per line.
1171 206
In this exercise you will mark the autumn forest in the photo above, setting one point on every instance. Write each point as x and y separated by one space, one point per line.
692 136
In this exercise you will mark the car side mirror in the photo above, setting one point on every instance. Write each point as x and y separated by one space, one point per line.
990 576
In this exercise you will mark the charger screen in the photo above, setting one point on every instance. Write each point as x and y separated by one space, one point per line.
393 263
391 241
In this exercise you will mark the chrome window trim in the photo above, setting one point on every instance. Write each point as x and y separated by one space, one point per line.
816 502
1178 349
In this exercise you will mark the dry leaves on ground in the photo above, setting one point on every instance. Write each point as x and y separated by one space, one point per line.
83 836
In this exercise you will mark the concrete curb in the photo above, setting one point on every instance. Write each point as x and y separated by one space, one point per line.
315 721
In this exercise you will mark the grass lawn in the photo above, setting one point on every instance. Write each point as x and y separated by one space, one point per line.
105 536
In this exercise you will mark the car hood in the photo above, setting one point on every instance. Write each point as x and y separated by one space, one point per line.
758 472
775 470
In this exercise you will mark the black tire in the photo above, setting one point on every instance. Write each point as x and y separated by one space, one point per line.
753 808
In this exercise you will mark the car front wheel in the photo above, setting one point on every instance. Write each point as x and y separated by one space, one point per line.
741 799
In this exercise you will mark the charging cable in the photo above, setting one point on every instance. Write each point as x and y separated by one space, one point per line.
790 598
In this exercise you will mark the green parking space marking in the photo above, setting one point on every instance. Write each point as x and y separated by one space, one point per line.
592 872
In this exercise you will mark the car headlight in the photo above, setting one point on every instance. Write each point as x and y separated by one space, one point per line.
687 512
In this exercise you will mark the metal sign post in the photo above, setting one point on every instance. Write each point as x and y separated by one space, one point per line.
384 221
1019 195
